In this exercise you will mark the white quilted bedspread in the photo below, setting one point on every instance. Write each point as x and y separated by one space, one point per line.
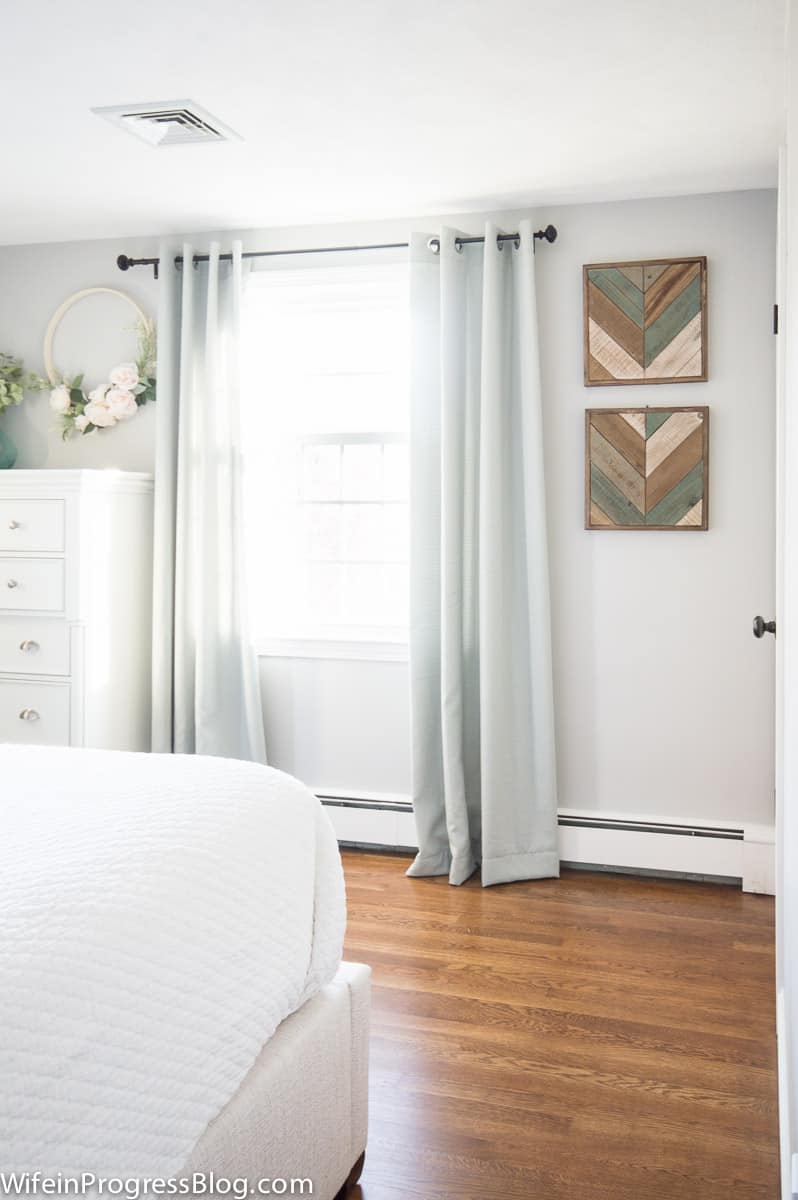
159 917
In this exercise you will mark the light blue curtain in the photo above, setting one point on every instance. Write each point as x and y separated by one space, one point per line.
205 689
484 773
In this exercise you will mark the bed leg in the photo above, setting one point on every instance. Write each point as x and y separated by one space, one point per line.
352 1178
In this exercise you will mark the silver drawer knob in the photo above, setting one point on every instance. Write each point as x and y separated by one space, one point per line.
29 714
12 583
28 645
13 524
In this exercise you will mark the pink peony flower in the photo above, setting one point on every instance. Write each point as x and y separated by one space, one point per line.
125 376
122 403
99 412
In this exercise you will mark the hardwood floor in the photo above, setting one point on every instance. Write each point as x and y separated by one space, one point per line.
600 1036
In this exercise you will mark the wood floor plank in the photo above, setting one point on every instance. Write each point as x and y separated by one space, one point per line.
597 1035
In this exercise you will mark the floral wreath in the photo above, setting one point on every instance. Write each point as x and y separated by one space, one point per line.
129 386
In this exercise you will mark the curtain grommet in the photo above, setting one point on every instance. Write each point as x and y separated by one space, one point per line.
434 245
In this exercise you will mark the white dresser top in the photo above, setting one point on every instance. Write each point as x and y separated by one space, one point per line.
80 479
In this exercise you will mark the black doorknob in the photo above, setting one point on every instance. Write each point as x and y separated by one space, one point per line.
761 627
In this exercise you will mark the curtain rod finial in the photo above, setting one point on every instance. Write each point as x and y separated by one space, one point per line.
123 262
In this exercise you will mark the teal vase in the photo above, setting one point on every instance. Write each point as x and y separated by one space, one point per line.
8 451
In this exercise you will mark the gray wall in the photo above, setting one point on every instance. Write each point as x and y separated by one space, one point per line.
664 699
95 335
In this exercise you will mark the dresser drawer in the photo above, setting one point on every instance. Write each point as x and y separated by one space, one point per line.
34 646
34 713
33 584
32 526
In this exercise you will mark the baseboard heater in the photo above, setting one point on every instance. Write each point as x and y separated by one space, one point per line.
707 831
623 843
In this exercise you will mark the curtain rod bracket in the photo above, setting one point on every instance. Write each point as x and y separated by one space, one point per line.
125 263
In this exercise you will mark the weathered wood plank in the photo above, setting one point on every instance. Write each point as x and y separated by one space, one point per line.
671 283
620 291
609 317
634 274
637 420
612 357
679 500
597 517
596 370
694 366
615 467
611 501
682 350
622 436
673 319
654 420
695 516
672 469
652 272
664 440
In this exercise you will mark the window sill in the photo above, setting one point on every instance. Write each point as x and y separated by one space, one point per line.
343 649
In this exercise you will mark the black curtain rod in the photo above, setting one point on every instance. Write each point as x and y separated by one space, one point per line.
124 262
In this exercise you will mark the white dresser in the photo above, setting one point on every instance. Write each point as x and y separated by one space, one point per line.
75 608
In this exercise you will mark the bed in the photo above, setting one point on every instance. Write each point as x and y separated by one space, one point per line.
173 1000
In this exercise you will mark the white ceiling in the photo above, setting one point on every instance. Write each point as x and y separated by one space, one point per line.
354 109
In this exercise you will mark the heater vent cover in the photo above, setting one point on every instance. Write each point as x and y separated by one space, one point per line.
168 123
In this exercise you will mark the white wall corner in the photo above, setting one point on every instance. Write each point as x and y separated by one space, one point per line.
759 859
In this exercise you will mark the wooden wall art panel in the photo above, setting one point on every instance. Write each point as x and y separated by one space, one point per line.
646 468
645 322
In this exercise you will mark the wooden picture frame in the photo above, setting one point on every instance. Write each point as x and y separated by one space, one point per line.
647 468
645 322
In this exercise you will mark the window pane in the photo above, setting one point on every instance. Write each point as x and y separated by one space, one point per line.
395 533
362 533
361 472
363 594
323 531
323 598
396 471
349 403
396 598
322 473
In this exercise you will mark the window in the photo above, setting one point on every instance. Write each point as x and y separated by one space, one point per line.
325 418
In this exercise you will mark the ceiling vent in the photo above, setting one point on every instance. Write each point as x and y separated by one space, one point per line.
168 123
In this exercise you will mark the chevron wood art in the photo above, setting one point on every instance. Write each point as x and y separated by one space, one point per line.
646 468
645 322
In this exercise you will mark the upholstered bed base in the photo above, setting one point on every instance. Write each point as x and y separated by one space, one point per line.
301 1112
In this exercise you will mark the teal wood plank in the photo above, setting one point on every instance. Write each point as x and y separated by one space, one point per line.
680 499
654 420
611 501
672 321
621 291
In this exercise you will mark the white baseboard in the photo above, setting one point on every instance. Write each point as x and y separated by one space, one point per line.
744 853
361 825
